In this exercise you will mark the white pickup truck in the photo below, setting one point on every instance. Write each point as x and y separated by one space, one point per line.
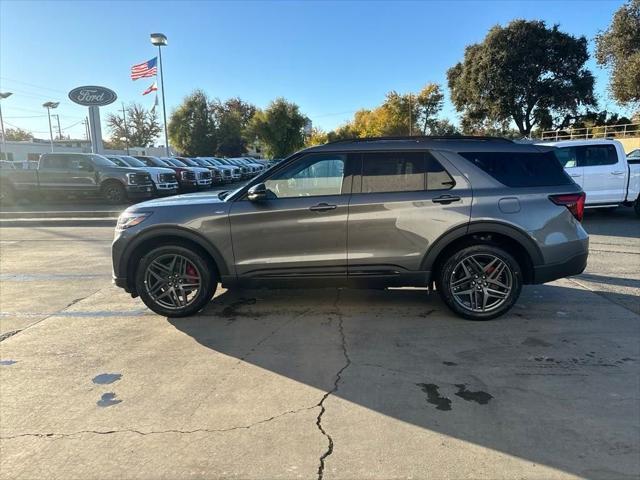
600 167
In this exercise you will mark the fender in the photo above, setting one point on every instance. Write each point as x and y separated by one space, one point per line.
483 226
160 232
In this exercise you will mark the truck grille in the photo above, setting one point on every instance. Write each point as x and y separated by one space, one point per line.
227 173
236 171
140 179
188 175
167 177
204 175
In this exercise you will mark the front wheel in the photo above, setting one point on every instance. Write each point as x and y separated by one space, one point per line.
175 281
114 193
480 282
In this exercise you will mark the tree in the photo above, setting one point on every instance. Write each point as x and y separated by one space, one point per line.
317 137
522 72
192 126
430 101
618 48
18 134
279 127
232 119
142 127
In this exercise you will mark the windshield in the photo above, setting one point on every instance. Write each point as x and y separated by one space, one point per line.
118 161
133 162
188 162
174 162
101 161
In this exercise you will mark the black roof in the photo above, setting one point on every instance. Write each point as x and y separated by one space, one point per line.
455 143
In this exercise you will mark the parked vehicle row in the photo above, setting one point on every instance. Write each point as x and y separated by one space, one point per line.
117 178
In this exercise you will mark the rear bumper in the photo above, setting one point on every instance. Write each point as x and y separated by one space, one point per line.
572 266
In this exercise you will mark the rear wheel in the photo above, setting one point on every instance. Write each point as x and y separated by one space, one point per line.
7 194
114 193
175 281
480 282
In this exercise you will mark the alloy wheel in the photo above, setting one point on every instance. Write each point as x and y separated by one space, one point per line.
173 281
481 282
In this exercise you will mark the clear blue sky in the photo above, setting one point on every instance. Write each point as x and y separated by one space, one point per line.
331 58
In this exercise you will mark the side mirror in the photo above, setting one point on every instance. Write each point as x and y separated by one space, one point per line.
257 193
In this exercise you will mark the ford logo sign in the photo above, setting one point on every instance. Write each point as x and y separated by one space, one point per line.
92 96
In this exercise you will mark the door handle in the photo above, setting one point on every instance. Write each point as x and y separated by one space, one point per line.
617 173
322 207
446 199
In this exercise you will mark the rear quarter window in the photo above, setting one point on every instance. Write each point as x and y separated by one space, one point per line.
521 169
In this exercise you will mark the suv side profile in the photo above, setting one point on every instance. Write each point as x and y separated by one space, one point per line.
477 217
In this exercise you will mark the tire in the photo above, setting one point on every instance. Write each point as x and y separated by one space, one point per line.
636 206
7 194
155 277
114 193
456 278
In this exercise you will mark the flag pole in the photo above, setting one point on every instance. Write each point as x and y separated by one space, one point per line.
164 109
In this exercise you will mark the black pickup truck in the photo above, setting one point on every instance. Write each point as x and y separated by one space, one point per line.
76 174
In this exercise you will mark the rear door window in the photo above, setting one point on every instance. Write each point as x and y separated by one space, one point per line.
597 155
393 172
55 162
521 169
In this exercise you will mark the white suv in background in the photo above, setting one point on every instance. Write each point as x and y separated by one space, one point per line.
601 168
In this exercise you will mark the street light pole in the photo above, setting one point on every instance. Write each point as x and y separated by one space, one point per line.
59 129
49 106
160 40
3 95
126 129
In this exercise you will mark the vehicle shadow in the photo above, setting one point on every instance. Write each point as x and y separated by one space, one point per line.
537 383
620 222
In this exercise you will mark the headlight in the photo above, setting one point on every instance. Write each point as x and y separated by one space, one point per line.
184 175
128 220
131 178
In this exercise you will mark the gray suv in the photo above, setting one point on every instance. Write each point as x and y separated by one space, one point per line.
475 217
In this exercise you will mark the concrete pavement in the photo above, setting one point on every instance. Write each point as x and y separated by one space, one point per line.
315 383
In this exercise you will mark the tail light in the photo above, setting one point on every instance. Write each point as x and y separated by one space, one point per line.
573 201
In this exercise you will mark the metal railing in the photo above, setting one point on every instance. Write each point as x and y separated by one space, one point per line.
604 131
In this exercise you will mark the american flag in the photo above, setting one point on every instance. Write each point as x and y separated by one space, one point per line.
146 69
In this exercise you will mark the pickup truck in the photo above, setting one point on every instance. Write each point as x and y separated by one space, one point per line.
601 168
76 174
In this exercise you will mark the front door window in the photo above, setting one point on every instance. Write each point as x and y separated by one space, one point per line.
311 176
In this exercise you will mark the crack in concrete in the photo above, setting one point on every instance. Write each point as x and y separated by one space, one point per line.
160 432
337 380
6 335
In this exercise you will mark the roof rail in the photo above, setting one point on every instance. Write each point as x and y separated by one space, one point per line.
422 138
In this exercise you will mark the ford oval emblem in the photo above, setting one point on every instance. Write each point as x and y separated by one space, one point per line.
92 96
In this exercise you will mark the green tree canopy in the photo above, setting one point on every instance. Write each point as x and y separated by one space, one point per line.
192 126
142 127
522 72
232 119
618 48
279 127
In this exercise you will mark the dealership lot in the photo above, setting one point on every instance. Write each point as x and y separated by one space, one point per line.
315 383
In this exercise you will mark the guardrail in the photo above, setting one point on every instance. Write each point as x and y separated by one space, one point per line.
605 131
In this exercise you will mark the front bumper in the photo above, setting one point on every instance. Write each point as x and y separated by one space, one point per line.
204 183
140 191
167 188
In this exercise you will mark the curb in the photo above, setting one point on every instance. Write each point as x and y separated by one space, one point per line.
59 222
57 214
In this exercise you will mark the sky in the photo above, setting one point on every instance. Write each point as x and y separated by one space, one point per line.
331 58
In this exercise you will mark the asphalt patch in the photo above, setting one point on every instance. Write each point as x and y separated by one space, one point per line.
108 399
434 397
106 378
479 397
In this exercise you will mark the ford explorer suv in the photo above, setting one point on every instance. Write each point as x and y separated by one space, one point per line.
164 179
602 169
476 217
77 174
